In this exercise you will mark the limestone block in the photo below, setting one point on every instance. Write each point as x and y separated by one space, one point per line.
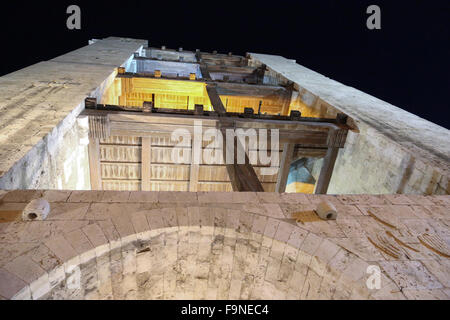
37 209
326 211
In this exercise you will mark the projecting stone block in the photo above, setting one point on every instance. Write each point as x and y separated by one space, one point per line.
37 209
326 211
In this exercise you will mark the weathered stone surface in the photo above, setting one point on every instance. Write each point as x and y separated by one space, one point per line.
201 250
42 144
393 151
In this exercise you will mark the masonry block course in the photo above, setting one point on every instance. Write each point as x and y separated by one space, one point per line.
39 110
209 250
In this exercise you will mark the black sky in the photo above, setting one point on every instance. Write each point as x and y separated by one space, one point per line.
405 63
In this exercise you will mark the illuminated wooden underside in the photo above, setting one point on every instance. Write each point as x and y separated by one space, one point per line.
138 154
185 94
121 163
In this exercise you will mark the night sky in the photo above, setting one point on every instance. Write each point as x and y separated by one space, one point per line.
406 63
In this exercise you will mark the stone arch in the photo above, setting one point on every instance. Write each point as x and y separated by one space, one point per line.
207 260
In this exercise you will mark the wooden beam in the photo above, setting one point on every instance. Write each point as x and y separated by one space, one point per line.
215 99
146 164
305 152
285 165
243 177
253 90
232 69
193 180
306 133
260 72
327 170
205 72
195 163
94 164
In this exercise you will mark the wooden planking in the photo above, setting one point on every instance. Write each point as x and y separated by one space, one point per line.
244 70
94 164
146 155
269 105
170 186
121 185
213 173
120 153
121 171
162 86
165 172
176 172
285 165
303 152
130 185
121 140
215 187
132 171
165 155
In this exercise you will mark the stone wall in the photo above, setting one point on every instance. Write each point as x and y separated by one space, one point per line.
41 143
187 245
371 163
60 161
388 151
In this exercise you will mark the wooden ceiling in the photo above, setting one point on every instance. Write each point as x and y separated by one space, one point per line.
121 164
133 150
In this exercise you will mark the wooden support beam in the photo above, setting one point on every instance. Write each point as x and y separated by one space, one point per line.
328 165
243 177
94 164
195 163
285 165
260 72
232 69
308 133
193 180
99 126
215 99
205 72
253 90
146 157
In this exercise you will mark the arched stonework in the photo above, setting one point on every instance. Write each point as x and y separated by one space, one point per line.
147 245
209 263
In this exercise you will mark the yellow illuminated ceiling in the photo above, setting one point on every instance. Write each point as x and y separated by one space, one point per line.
185 94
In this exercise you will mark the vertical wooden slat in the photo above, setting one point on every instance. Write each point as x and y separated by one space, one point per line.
146 163
94 164
336 139
285 165
327 170
196 156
